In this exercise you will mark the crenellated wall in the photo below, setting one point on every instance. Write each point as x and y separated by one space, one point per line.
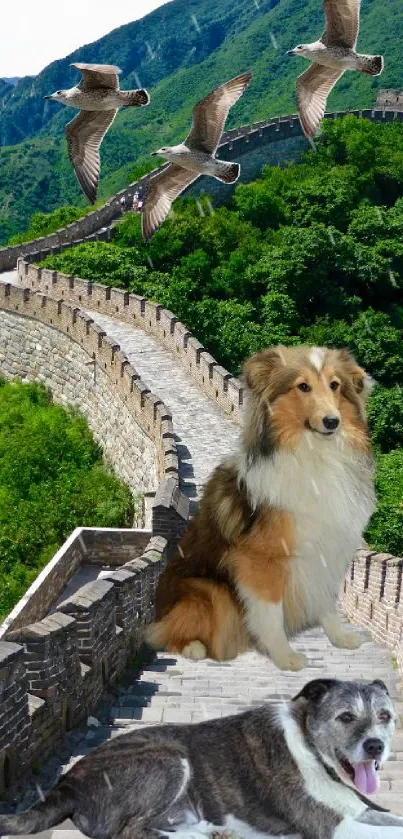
54 667
42 339
270 141
372 597
218 383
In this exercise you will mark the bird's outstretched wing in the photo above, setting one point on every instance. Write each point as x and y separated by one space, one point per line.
84 136
342 22
313 88
98 76
161 192
210 114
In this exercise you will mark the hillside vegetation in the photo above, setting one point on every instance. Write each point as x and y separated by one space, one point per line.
180 51
311 253
52 479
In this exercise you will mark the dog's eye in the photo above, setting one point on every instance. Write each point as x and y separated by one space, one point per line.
385 716
334 385
304 387
346 717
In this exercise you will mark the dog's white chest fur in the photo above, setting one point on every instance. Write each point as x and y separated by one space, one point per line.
328 489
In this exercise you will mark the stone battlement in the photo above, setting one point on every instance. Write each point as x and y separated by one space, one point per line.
372 597
135 406
214 380
55 667
239 142
390 99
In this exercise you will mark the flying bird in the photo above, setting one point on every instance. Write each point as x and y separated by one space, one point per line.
98 97
195 156
334 53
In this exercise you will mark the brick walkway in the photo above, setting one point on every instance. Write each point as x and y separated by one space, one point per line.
177 690
204 434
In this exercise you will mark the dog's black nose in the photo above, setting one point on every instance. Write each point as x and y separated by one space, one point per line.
373 747
330 423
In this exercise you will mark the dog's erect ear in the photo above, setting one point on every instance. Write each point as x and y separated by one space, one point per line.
258 369
380 684
315 690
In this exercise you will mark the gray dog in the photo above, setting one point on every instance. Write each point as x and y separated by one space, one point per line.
303 768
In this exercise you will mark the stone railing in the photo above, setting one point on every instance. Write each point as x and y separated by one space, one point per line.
133 398
373 597
55 667
214 380
238 142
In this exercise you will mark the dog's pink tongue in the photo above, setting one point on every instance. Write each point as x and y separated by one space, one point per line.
366 778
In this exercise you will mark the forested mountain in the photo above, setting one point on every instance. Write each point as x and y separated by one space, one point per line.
179 52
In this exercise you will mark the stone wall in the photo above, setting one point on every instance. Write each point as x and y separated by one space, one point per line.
217 382
390 99
54 669
373 597
238 144
103 546
45 340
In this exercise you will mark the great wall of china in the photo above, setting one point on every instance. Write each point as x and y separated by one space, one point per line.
117 353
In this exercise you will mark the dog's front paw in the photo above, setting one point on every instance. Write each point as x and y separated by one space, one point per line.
291 661
195 650
348 640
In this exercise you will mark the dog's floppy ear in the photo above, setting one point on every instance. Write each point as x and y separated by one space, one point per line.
315 690
380 684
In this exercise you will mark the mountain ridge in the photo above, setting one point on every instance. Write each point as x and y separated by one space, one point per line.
183 66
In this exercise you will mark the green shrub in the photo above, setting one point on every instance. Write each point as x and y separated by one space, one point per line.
52 479
385 531
385 417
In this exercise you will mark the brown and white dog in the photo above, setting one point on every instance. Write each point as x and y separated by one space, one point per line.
279 521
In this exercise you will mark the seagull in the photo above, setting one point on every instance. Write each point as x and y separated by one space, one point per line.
331 56
194 157
98 97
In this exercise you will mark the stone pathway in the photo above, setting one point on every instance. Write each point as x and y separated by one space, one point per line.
204 434
173 689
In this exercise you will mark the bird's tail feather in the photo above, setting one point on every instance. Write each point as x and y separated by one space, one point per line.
228 172
57 807
372 64
135 97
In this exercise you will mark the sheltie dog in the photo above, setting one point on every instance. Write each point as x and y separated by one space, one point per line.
280 520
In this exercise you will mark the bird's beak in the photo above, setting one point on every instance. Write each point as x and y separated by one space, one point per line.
47 97
290 52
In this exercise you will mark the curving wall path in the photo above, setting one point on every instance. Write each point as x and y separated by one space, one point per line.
252 145
206 406
203 398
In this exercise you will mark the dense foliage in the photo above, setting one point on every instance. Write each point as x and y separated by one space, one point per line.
188 49
312 253
52 479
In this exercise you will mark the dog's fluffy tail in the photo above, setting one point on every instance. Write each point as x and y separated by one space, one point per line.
57 807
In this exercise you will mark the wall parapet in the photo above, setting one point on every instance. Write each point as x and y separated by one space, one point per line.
237 140
372 597
148 411
55 668
220 385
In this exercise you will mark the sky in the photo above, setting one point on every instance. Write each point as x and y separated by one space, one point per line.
35 32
